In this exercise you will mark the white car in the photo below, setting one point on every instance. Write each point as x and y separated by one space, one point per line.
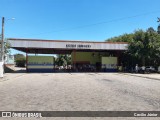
150 69
159 69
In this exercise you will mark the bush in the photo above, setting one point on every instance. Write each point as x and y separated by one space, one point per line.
20 62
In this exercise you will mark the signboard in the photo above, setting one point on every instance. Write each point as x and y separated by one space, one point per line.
82 46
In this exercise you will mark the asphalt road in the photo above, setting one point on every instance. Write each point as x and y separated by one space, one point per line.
78 92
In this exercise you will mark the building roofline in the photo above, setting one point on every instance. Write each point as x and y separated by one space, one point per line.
44 40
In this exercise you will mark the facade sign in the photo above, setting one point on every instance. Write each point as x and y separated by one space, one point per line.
78 46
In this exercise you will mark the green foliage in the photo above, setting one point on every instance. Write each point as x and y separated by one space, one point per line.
20 60
18 56
144 46
121 38
6 47
63 60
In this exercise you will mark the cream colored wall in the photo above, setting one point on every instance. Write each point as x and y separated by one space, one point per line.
88 56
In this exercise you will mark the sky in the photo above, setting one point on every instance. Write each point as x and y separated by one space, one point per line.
85 20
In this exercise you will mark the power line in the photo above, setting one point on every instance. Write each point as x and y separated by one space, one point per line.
94 24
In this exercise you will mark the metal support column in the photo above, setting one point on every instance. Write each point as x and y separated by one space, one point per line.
27 59
74 59
118 58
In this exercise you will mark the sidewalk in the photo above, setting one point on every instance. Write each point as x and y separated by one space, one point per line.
11 76
154 76
16 72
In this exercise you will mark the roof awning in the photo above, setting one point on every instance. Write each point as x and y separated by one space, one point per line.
60 46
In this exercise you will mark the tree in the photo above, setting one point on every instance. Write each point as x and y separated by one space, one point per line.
138 46
144 47
154 46
122 38
63 60
6 46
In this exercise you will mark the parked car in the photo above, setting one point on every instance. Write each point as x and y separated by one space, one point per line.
142 69
150 69
158 69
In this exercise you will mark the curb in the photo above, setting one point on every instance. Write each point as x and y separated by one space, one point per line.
141 76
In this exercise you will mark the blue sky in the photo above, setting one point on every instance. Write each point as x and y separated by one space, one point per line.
88 20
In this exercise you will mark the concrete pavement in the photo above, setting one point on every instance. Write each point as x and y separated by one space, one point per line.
154 76
79 92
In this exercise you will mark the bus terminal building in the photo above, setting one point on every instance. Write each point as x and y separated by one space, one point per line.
100 56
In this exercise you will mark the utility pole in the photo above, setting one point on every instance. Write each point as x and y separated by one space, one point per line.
2 42
2 50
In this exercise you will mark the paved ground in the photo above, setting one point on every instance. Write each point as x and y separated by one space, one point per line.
155 76
79 92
